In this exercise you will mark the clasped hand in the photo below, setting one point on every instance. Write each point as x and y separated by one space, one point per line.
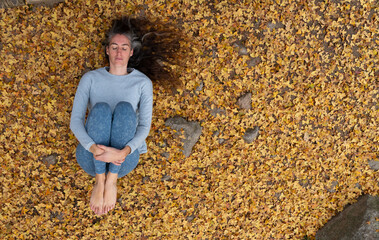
109 154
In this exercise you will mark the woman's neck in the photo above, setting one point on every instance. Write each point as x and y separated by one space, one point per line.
118 70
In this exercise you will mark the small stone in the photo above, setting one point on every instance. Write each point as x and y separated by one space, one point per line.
145 179
356 52
245 101
50 160
254 61
306 137
190 218
200 87
166 177
162 144
251 134
57 215
374 164
305 183
221 141
242 50
216 133
216 111
277 195
332 188
276 25
165 155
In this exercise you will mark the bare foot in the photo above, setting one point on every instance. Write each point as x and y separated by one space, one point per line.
110 192
97 195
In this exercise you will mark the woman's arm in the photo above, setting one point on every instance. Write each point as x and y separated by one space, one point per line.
78 113
145 116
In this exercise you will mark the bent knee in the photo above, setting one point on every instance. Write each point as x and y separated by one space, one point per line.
125 106
101 106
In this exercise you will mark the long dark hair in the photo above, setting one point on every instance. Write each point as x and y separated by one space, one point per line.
156 48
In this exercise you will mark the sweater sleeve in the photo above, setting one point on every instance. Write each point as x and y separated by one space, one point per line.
145 116
78 113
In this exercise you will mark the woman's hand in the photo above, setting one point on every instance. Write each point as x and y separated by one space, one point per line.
96 150
112 155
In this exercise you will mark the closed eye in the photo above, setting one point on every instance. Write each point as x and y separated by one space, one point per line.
123 48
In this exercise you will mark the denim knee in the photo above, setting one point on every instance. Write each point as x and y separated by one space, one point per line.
102 107
124 106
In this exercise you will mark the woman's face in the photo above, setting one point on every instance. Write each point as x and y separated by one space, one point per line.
119 51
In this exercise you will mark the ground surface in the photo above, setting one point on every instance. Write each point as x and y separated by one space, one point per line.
312 69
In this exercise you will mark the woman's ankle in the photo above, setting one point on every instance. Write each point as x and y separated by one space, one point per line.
100 178
112 177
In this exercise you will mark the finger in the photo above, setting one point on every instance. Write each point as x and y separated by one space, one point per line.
99 158
102 147
101 151
120 162
97 153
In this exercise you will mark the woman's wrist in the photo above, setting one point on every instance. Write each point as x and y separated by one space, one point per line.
92 148
126 151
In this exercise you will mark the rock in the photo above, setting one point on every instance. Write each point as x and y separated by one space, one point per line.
16 3
254 61
220 140
166 178
305 183
11 3
276 25
251 134
165 155
216 133
277 195
200 87
50 160
49 3
192 132
374 164
356 52
57 215
146 179
190 218
216 111
245 101
306 136
355 222
332 188
242 50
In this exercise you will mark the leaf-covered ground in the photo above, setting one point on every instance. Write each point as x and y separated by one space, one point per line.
312 69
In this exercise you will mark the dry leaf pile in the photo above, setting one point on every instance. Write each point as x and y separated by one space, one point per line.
312 69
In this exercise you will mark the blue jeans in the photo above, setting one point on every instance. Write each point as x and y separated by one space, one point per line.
108 129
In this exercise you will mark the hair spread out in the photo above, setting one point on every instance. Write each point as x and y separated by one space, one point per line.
156 48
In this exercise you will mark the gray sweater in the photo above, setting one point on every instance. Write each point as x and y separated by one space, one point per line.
101 86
